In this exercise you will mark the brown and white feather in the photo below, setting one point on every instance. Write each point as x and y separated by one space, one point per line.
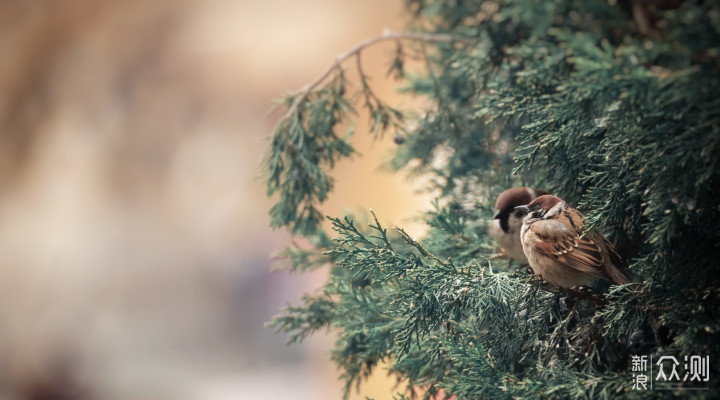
557 250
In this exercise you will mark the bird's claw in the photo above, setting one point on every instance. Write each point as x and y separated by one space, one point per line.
580 292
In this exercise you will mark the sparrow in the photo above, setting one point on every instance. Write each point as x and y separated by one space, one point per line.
553 242
506 224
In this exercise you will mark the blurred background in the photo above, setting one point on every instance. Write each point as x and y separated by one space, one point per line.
135 250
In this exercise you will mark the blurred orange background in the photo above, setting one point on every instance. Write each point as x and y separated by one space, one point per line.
134 240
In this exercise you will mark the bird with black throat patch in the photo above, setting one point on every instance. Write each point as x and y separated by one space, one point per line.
507 222
558 249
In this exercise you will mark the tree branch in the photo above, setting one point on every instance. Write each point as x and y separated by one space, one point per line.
387 35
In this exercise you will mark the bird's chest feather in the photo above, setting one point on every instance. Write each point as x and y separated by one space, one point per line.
550 269
510 240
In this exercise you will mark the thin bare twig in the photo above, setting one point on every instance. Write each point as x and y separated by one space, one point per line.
360 68
436 86
388 35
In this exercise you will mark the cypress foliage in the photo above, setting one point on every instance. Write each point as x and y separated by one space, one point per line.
613 106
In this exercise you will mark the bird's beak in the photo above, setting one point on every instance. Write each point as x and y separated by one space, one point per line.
524 209
497 215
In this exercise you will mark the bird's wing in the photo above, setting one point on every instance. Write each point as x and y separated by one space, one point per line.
563 242
618 271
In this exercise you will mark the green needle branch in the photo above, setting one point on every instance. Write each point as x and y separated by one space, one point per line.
612 106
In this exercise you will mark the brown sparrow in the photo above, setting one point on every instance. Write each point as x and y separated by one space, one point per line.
552 239
506 224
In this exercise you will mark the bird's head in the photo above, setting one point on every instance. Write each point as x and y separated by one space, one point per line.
506 204
541 207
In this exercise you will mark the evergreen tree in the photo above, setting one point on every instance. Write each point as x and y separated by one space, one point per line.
611 105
